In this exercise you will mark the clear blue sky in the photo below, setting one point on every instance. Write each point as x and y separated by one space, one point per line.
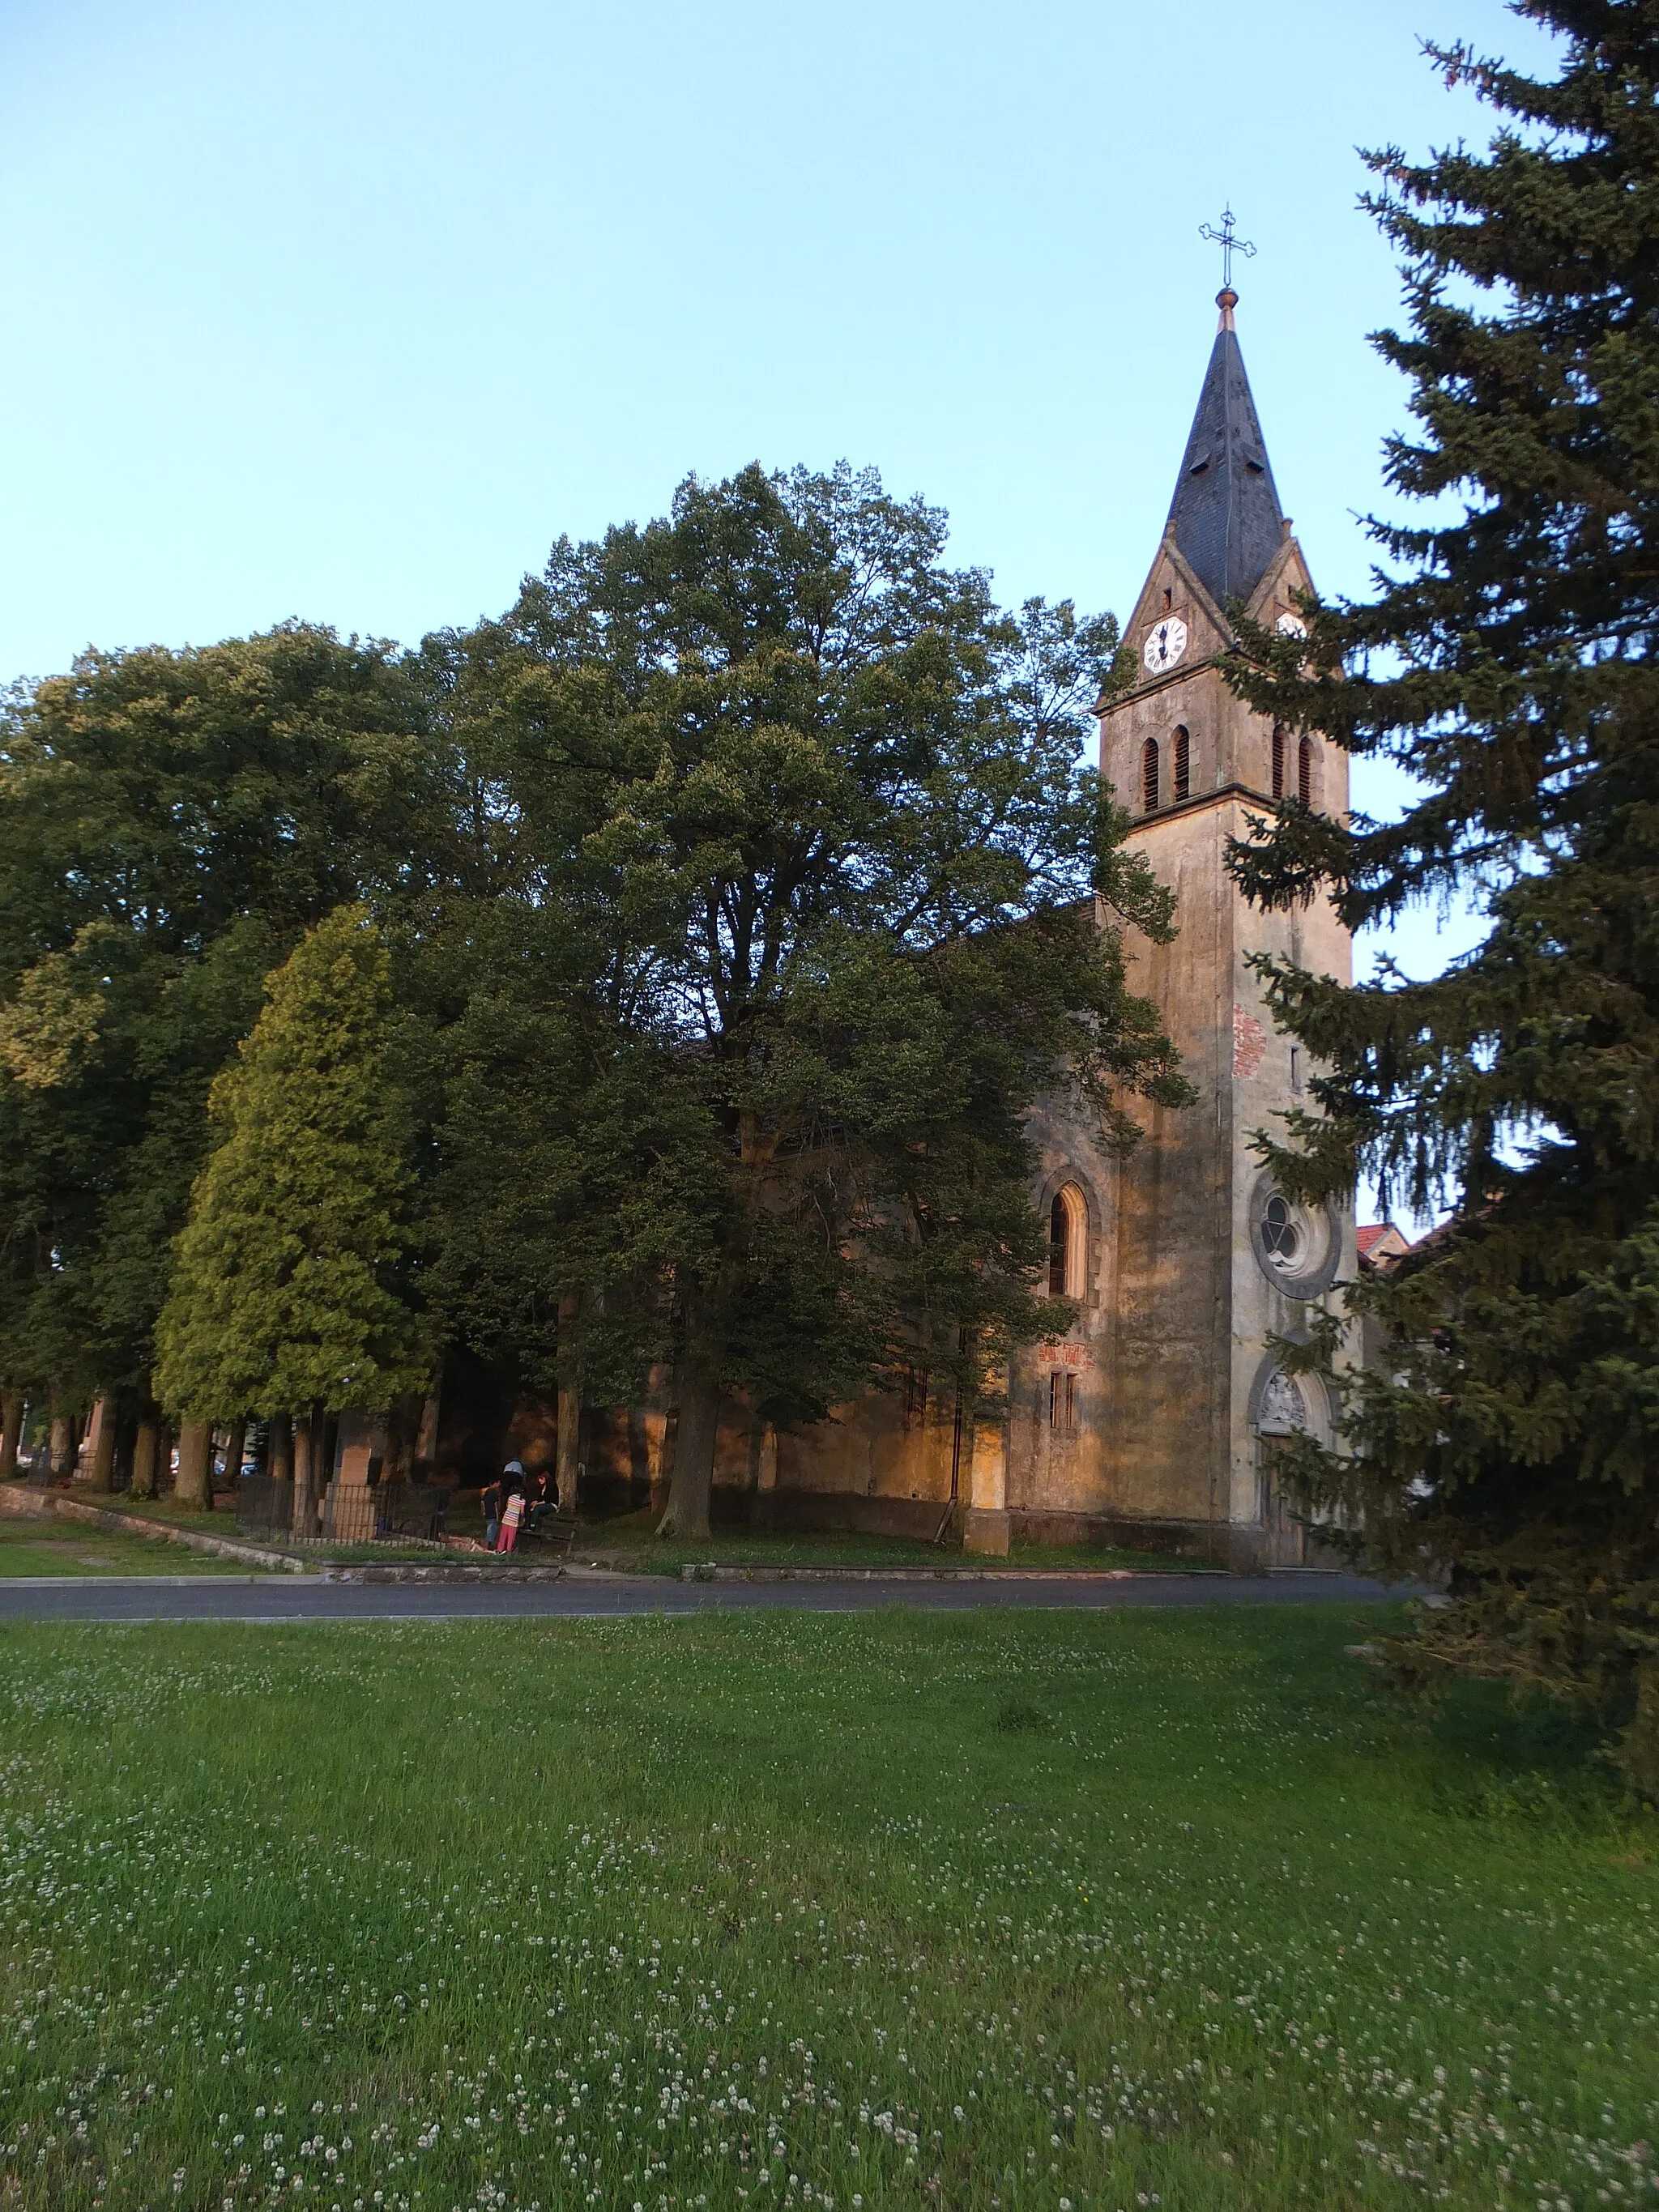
347 308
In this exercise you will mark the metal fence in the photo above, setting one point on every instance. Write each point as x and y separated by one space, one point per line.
389 1512
263 1508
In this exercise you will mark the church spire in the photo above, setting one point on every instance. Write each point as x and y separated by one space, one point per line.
1226 513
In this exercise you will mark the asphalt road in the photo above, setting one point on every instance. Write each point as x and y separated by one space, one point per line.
287 1597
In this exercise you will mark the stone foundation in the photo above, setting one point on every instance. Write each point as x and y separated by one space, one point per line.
988 1534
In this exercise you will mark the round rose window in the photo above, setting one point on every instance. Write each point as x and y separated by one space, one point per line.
1297 1247
1279 1232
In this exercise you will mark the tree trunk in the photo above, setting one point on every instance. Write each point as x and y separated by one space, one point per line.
279 1448
325 1441
194 1483
699 1422
100 1476
302 1493
570 1401
234 1443
126 1435
426 1435
11 1428
308 1442
146 1457
60 1458
570 1429
403 1430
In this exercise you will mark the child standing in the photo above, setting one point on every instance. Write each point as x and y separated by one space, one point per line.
510 1520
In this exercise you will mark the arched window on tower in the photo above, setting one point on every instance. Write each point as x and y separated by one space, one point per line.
1149 775
1280 738
1068 1242
1182 779
1305 772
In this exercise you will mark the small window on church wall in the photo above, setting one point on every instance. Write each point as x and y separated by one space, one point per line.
1062 1400
1068 1233
1305 772
1279 760
1149 775
916 1395
1182 764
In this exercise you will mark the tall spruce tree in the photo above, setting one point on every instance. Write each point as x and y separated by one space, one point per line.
289 1291
1508 1432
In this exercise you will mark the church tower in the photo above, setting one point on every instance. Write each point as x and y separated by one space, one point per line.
1211 1259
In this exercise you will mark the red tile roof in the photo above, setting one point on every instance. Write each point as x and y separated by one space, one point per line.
1379 1241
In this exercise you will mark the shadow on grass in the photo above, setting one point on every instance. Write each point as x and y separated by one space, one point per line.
1533 1761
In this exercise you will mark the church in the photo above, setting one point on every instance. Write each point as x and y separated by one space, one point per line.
1151 1422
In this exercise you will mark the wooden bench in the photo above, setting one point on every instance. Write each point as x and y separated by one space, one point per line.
554 1532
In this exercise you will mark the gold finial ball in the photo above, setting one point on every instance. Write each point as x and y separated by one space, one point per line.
1226 299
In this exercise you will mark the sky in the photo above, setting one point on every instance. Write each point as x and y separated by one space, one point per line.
347 309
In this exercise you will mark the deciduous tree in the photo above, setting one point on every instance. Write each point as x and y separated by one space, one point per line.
169 822
823 796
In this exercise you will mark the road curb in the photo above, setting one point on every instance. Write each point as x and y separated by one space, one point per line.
409 1571
713 1573
138 1582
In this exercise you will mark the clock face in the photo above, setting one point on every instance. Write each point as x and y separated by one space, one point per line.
1289 625
1165 643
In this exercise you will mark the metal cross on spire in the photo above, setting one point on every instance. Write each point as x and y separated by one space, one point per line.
1227 239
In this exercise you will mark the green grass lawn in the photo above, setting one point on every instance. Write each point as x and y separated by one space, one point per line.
862 1911
222 1522
51 1547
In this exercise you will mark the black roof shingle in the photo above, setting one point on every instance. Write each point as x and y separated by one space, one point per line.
1227 521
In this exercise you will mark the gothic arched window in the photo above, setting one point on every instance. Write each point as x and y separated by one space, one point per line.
1183 763
1279 739
1149 775
1305 772
1068 1239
